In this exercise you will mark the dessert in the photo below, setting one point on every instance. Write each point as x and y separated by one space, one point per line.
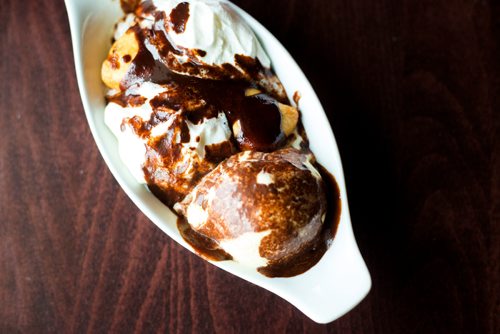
202 119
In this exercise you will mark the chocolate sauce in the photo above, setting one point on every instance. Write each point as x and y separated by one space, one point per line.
201 53
179 17
146 7
316 249
250 65
126 100
217 153
296 97
332 193
127 58
311 254
205 247
259 116
128 6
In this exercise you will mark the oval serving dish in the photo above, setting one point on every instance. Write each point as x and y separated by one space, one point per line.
326 291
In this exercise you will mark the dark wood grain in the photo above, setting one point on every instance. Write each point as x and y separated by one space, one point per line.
412 90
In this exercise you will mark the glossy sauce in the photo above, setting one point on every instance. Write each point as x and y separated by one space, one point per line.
204 246
208 248
315 251
259 115
179 17
128 6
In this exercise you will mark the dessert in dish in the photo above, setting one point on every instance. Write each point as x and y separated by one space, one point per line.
263 209
203 121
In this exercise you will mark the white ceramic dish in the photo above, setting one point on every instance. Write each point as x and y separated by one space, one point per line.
326 291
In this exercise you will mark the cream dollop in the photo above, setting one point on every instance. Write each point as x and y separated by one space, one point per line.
215 28
132 148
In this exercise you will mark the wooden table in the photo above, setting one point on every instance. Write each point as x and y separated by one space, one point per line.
412 89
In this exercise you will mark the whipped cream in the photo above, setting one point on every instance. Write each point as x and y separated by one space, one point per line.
243 248
212 26
132 147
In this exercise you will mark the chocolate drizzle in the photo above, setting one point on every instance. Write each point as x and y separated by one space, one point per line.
179 17
204 246
258 115
129 6
296 97
312 253
127 100
146 7
127 58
